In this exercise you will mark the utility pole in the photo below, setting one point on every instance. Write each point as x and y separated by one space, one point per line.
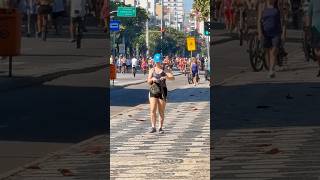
147 36
162 27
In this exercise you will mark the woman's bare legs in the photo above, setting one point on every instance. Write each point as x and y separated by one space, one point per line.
161 108
153 110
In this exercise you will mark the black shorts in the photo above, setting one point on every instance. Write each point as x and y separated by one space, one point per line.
194 74
44 9
271 42
77 20
56 15
162 95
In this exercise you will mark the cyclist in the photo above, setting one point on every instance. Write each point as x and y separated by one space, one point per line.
271 30
44 10
313 21
77 12
134 64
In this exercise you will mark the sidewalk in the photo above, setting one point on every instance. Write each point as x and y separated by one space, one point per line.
181 153
46 60
268 128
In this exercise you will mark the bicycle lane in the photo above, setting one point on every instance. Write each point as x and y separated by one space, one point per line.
181 153
268 128
184 147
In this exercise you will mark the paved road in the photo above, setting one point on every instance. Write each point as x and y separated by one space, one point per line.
123 98
42 119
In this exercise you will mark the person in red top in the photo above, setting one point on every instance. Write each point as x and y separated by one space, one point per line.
228 13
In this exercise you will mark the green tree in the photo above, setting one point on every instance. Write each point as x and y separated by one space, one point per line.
131 27
203 8
173 42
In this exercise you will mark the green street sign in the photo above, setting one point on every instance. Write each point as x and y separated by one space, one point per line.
127 12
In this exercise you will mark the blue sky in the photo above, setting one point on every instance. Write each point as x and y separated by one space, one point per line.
188 4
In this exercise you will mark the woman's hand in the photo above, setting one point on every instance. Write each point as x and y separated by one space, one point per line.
154 79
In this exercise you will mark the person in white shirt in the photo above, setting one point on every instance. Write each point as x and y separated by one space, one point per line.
134 62
77 13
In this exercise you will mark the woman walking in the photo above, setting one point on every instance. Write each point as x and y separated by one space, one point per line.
194 69
158 92
271 30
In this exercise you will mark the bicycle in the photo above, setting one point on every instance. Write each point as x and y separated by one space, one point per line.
134 71
256 52
77 22
189 78
306 45
45 27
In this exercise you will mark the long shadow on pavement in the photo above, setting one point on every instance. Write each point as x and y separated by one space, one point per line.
53 113
265 105
131 97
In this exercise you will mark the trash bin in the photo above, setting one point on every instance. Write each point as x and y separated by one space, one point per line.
10 32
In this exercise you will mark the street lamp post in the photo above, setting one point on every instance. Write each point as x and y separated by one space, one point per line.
161 43
113 36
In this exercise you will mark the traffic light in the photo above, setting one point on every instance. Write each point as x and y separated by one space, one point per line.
207 28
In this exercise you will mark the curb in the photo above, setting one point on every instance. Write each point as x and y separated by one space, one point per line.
48 156
23 83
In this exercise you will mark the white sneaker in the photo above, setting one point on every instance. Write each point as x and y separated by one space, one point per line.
272 74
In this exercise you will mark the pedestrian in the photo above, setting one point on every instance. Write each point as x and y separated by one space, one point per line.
158 92
194 69
144 66
118 64
314 19
77 13
31 17
228 14
58 11
44 10
271 31
128 64
295 9
123 64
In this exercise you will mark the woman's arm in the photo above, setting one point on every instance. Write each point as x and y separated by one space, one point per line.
169 75
150 78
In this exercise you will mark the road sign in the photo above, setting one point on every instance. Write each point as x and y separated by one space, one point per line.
114 25
127 12
191 44
113 72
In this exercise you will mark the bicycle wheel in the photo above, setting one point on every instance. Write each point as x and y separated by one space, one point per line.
189 76
241 37
78 30
306 47
44 34
256 54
